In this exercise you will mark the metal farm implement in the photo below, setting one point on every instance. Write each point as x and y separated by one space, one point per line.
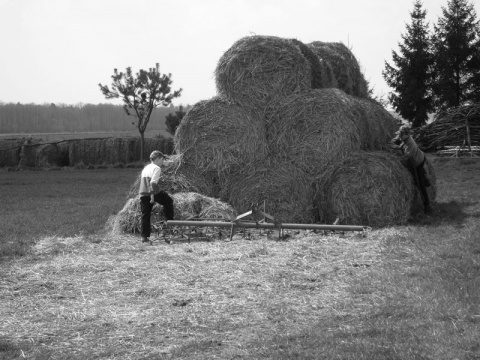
209 229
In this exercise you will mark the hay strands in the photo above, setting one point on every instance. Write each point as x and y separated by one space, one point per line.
256 213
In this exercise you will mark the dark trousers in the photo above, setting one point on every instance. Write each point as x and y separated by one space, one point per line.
163 199
422 182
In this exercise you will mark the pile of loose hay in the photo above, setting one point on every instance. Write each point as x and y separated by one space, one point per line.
367 188
346 69
187 205
259 71
217 137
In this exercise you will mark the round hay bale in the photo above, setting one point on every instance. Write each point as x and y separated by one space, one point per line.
317 71
315 129
376 125
259 71
367 188
186 206
216 137
345 67
178 177
286 189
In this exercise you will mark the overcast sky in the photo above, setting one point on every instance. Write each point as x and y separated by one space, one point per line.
57 51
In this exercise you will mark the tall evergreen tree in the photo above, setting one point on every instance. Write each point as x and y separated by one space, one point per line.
456 43
411 75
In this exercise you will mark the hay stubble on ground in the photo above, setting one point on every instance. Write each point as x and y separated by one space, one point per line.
405 292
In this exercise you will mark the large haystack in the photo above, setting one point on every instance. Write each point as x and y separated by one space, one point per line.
314 129
367 188
187 205
259 71
218 137
285 187
346 69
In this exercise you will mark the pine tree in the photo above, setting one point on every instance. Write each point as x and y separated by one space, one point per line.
141 94
457 56
411 77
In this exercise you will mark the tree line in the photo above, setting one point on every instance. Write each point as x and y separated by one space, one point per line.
56 118
436 69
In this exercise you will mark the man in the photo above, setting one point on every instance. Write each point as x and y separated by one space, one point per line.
149 185
404 142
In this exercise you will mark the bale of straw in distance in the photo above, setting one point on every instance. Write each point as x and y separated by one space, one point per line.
10 151
367 188
186 206
216 136
258 71
286 189
314 128
47 155
178 177
345 67
87 151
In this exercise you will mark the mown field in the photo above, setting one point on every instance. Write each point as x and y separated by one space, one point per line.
76 291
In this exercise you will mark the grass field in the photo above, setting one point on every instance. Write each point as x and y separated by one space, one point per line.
406 292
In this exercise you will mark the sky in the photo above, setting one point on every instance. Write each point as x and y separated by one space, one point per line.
57 51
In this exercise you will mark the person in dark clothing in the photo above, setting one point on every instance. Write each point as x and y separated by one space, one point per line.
148 186
404 142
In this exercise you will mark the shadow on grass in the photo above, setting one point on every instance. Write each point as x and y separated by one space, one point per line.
451 213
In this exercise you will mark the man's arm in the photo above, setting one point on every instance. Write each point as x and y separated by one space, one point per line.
155 179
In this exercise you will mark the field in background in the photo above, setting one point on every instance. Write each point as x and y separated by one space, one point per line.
58 203
86 135
405 292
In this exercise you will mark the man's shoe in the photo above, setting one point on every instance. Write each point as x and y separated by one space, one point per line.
145 240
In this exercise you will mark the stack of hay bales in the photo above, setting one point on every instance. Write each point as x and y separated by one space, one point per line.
292 125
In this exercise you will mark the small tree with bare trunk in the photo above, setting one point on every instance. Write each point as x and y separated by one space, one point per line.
141 94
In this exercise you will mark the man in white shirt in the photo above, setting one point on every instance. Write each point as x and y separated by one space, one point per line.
149 185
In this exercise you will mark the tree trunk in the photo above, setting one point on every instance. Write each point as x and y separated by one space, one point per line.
142 145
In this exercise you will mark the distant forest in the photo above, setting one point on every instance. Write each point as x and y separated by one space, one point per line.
52 118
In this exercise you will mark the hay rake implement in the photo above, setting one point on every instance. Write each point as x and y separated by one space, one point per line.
261 220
